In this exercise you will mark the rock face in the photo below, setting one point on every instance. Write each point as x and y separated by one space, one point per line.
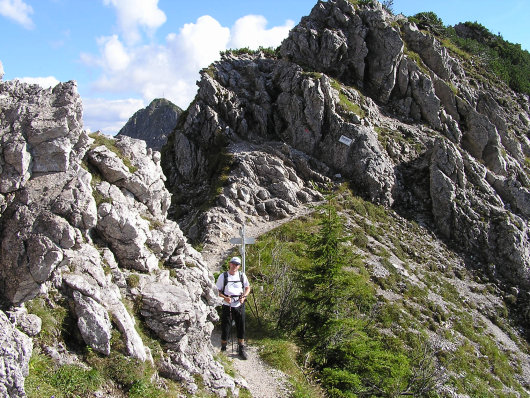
15 351
153 124
82 218
348 95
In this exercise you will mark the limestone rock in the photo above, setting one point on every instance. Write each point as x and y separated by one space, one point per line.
77 213
93 322
127 236
15 350
53 136
30 324
178 311
355 74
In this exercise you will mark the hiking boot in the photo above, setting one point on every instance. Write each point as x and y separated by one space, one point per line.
241 352
223 347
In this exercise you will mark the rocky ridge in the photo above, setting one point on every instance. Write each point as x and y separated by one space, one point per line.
83 217
83 222
360 95
153 124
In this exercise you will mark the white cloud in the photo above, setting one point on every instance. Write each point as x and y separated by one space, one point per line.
200 42
44 82
18 11
169 70
109 116
250 31
136 14
115 56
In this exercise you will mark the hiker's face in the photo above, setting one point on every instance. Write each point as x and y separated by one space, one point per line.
234 266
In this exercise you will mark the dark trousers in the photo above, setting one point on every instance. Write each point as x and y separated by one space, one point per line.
238 314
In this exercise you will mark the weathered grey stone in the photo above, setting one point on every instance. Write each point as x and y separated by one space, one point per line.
93 323
447 176
30 324
52 208
147 182
76 202
127 235
52 128
108 164
125 323
432 53
15 352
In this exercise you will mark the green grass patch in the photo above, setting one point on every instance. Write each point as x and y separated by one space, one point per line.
366 344
54 319
387 136
46 379
344 101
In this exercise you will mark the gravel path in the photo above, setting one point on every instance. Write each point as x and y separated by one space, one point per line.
260 379
215 254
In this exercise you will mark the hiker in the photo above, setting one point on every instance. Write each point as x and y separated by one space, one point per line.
234 288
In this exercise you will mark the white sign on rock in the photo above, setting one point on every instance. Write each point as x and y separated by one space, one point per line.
345 140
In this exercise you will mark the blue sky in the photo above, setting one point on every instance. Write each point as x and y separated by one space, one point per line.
125 53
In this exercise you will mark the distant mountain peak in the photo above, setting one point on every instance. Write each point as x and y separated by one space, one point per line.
153 123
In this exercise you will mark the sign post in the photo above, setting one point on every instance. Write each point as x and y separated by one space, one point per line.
242 241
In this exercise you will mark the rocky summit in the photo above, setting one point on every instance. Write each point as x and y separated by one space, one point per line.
365 95
96 228
153 124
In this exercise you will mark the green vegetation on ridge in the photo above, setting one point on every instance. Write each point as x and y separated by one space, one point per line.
372 309
508 61
116 374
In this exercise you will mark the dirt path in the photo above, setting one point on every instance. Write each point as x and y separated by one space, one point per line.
214 254
259 378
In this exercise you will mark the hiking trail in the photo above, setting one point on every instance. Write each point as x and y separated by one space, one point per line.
262 380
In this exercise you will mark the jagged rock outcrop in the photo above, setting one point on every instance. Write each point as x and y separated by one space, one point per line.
153 124
82 218
354 94
360 93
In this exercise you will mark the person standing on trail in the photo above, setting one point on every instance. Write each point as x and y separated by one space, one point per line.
234 288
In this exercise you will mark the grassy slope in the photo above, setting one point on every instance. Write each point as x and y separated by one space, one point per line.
419 299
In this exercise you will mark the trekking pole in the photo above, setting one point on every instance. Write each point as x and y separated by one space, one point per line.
256 307
231 336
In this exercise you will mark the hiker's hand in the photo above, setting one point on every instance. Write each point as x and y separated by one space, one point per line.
242 299
227 299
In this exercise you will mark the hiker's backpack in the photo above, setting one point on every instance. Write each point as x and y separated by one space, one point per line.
225 280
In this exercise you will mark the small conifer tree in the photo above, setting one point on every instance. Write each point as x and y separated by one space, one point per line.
322 281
